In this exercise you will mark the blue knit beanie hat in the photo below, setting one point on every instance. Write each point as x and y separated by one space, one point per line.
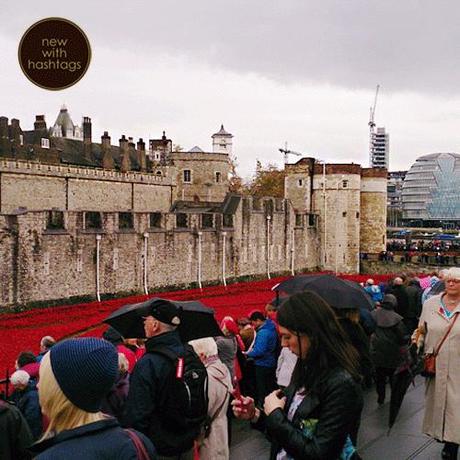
85 369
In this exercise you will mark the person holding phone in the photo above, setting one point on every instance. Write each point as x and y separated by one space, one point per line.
317 416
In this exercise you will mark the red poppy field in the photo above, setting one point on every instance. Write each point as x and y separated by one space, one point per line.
23 331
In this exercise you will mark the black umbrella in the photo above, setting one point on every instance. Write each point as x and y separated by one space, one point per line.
197 320
278 300
338 293
412 365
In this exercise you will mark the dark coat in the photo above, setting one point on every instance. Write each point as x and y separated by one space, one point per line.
400 292
414 297
29 405
114 402
336 404
386 341
102 440
15 435
147 385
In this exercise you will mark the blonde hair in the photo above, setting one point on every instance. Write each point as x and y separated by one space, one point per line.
60 411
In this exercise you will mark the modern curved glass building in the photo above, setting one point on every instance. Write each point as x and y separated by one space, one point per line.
431 189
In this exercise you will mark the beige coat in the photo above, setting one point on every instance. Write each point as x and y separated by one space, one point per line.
442 395
215 446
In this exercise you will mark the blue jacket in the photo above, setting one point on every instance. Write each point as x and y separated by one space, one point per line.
264 350
375 292
102 440
146 388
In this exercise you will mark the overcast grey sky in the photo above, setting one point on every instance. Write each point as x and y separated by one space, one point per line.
299 71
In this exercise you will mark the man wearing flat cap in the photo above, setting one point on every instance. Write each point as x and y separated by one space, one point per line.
144 410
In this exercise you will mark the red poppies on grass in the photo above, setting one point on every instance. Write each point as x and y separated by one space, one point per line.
23 331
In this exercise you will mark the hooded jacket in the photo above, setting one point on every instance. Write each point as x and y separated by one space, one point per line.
389 336
264 349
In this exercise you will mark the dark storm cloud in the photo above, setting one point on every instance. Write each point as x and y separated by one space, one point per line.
402 44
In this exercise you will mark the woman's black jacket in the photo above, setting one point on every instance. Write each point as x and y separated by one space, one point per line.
336 404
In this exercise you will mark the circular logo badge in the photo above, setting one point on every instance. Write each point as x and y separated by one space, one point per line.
54 53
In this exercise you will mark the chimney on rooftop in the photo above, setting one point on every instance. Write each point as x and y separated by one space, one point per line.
141 154
87 143
40 123
107 158
125 162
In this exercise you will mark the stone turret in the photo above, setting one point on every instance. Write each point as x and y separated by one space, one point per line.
160 149
107 158
65 127
222 141
373 210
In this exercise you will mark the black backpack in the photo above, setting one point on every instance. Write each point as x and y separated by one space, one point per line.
184 399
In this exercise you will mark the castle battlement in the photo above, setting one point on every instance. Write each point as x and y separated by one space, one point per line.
35 167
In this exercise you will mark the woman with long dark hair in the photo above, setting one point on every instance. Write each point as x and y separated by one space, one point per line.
317 417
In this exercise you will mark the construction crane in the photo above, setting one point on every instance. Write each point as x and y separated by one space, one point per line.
372 111
372 128
287 152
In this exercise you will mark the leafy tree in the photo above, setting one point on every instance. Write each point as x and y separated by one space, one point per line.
267 181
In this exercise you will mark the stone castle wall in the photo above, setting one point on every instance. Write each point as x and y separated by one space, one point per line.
325 223
42 264
37 187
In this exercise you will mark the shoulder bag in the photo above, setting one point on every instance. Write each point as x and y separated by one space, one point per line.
429 360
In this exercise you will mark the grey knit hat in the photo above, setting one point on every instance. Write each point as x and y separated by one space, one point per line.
85 370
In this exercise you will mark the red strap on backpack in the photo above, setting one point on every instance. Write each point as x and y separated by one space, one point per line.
141 451
180 368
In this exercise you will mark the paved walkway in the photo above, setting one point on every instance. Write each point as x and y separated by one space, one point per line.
405 441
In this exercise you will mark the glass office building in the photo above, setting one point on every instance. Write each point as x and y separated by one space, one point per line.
431 190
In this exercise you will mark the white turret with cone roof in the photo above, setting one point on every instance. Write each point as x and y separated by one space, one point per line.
65 127
222 141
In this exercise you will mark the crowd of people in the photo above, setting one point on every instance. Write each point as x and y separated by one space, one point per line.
438 253
295 371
